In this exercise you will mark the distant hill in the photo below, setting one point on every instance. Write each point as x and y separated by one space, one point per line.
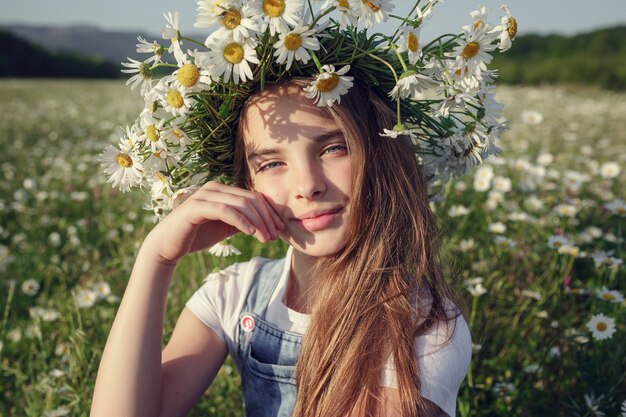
85 40
21 58
594 58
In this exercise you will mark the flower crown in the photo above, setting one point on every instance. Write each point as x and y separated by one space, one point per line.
442 92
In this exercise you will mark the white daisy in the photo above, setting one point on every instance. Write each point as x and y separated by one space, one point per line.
30 287
504 242
329 85
189 77
480 20
162 160
410 85
174 134
555 241
277 14
475 286
399 130
151 134
346 12
458 210
233 19
570 250
409 43
160 184
57 412
210 12
171 30
173 98
154 48
472 53
609 170
102 289
531 117
142 77
497 227
506 30
466 245
601 326
371 12
567 210
224 248
612 296
295 44
85 298
617 206
228 57
122 164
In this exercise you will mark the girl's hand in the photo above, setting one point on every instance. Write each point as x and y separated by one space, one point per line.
210 215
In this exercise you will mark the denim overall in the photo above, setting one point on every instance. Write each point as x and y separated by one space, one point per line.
268 355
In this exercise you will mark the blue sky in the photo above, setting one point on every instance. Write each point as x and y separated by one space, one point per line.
534 16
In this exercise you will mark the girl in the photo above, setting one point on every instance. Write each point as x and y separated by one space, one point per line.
356 320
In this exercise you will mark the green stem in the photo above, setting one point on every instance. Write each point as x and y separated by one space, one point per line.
317 18
193 41
317 61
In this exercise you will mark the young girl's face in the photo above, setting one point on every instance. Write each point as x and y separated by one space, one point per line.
298 158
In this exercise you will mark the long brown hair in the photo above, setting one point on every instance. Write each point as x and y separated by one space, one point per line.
368 299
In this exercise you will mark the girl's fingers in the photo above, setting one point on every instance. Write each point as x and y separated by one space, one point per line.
233 217
271 220
248 207
277 220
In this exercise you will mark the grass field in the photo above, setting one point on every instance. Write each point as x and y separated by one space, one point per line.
534 241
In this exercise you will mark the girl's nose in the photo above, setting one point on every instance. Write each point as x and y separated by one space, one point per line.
310 182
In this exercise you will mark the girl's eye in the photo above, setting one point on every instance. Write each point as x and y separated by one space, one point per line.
269 165
336 149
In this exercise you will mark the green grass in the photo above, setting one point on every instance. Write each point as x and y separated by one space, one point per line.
53 131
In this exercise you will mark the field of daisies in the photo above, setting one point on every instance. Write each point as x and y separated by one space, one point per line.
534 242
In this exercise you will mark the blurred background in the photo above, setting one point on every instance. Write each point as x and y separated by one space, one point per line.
533 240
574 42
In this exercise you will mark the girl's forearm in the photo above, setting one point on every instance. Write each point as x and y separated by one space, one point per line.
129 376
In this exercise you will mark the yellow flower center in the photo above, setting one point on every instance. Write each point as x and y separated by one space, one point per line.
177 133
470 50
233 52
344 4
504 243
601 326
152 132
157 154
273 8
412 42
371 5
478 23
124 160
231 19
188 75
609 297
328 84
512 27
621 211
557 244
175 99
293 41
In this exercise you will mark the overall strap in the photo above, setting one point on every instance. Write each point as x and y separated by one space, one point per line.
263 285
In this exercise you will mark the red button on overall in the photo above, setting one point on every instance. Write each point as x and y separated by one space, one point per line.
247 323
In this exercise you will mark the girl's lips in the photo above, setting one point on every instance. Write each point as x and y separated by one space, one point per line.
313 224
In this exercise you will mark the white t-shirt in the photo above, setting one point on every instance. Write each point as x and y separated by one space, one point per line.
218 304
